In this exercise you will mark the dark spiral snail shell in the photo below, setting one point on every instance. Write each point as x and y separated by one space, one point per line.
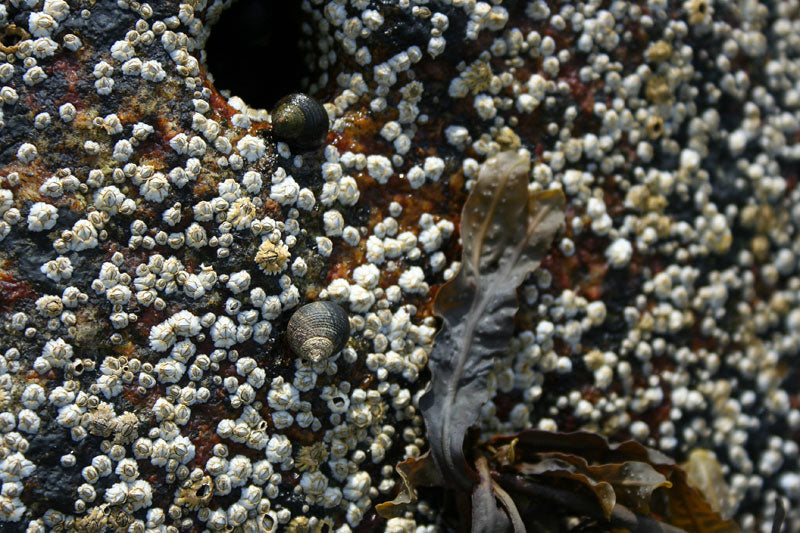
318 330
300 120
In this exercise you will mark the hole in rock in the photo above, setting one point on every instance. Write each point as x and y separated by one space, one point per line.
10 37
255 51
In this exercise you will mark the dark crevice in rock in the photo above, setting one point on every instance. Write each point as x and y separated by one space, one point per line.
255 51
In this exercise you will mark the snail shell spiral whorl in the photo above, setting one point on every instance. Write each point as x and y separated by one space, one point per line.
300 120
318 330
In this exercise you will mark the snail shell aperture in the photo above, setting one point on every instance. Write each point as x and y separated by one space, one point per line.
318 330
300 120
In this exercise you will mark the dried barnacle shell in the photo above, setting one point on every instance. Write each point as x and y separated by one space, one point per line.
300 120
10 38
271 257
318 330
95 521
267 522
302 524
193 494
311 457
101 421
125 428
659 51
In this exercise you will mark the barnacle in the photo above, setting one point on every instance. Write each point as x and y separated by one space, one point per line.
311 457
101 420
478 76
158 233
272 258
97 520
195 493
125 428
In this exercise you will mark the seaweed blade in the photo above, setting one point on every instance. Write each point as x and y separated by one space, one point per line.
505 233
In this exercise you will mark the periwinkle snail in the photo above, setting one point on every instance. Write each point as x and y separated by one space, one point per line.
318 330
300 120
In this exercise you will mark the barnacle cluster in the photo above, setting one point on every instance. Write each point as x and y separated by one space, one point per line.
156 235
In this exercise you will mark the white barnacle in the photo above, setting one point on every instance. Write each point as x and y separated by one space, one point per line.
285 191
44 47
58 269
155 188
375 250
305 199
413 281
132 67
348 191
329 193
223 332
250 147
282 419
153 71
6 200
239 281
118 294
196 146
333 223
339 290
15 467
262 471
619 253
42 216
52 186
108 199
104 85
122 50
361 299
28 421
33 396
357 486
193 287
252 181
117 493
282 395
26 151
140 494
49 305
41 24
433 166
185 323
279 449
314 482
379 167
162 336
123 150
179 143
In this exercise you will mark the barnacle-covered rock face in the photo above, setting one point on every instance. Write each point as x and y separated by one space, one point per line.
157 234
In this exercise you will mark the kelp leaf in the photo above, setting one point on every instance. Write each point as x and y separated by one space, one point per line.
633 481
679 505
780 515
505 233
414 472
486 516
557 467
592 447
688 509
510 506
705 474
